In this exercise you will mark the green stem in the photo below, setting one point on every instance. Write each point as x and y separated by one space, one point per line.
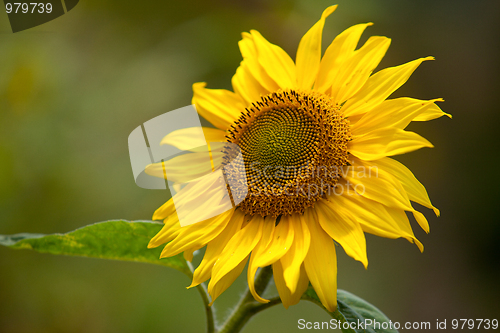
260 306
208 309
247 306
206 301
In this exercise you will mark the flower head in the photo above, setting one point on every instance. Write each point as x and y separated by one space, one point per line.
315 135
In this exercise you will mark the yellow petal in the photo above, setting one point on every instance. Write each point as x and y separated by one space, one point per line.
421 220
415 190
203 207
185 168
220 107
197 235
267 237
431 113
321 263
386 142
249 52
237 249
189 253
192 137
169 231
397 113
340 225
217 288
165 210
199 200
289 298
380 86
293 259
156 170
356 70
339 51
215 247
280 244
374 217
366 180
402 222
267 253
275 61
246 85
309 52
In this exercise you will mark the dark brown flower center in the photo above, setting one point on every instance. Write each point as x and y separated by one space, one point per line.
293 145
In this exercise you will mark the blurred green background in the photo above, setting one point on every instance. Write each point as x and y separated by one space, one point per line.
73 89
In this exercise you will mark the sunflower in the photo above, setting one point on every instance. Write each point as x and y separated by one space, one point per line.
315 136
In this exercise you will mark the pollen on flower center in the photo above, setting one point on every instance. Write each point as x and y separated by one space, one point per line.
293 144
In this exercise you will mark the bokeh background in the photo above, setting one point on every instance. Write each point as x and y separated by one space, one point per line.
73 89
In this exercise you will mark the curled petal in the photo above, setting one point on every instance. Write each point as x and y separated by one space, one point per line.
287 297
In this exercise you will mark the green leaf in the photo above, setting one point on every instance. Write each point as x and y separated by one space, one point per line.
117 239
355 310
